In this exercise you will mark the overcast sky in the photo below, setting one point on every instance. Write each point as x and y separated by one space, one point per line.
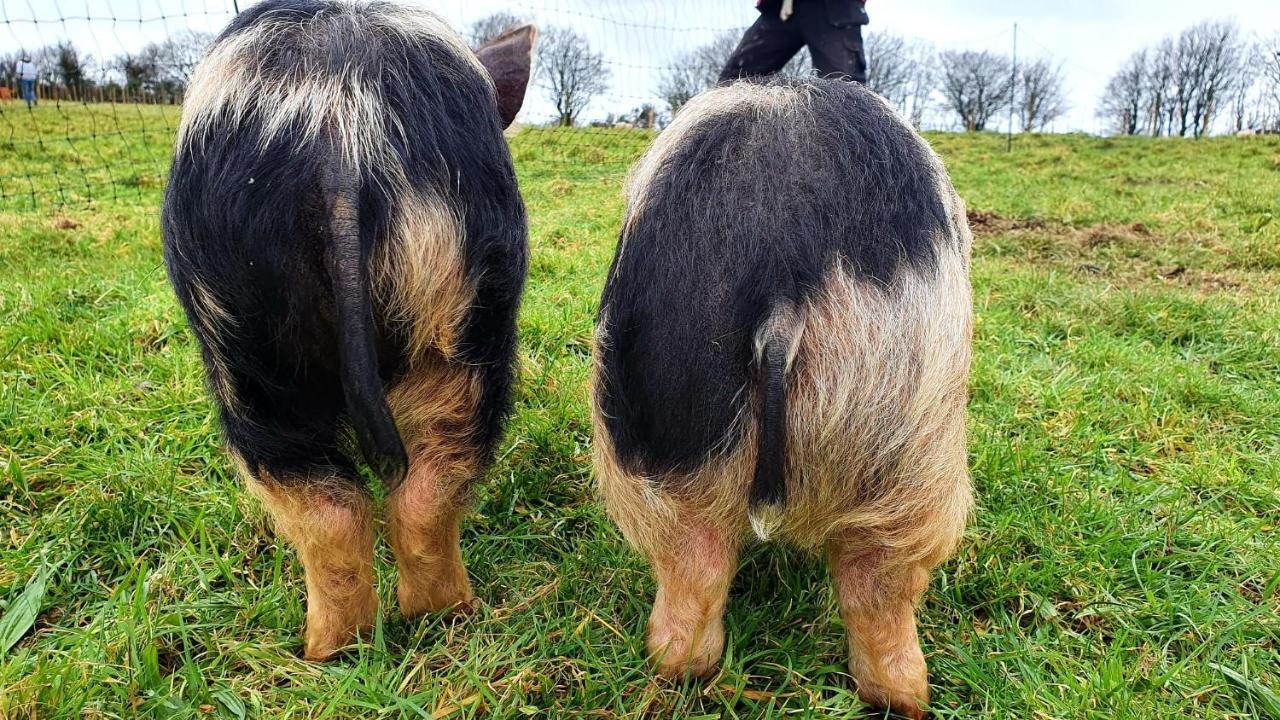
639 37
1091 37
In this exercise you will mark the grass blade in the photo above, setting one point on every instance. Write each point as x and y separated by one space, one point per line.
1266 698
22 613
230 702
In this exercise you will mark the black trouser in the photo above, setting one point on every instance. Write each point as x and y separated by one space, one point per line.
831 28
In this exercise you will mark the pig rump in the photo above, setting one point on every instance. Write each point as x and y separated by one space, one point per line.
802 214
343 228
783 345
376 114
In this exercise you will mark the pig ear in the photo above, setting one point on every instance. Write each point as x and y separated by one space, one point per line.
508 58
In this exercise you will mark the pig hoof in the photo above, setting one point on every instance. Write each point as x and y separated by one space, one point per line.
904 703
322 647
416 604
676 657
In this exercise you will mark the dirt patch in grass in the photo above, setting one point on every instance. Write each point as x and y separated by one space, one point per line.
1203 280
985 222
1091 236
1127 254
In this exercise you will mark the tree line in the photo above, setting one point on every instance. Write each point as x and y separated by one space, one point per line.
159 72
910 73
1210 76
1184 85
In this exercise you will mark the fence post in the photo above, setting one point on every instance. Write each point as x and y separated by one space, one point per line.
1013 88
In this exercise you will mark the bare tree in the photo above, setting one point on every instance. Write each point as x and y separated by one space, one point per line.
162 70
1161 92
9 68
888 64
902 71
975 86
491 26
70 67
1255 102
699 69
1124 103
176 58
1192 79
919 93
1267 67
140 72
679 83
1246 97
46 61
1041 95
570 72
696 70
1213 53
1183 85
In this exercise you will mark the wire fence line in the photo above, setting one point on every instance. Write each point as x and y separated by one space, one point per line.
112 74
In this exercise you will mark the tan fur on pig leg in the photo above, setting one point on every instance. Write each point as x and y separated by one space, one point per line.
423 528
877 596
686 629
332 528
435 407
689 541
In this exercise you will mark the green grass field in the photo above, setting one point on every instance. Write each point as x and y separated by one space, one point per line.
1123 561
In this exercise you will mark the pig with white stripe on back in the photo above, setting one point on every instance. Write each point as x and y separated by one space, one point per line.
344 230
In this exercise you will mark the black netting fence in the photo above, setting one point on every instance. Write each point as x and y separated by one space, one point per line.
110 76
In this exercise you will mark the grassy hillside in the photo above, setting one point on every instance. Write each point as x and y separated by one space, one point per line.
1125 445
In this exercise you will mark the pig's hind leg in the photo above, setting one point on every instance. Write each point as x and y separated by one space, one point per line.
435 407
693 552
877 596
694 565
880 572
329 522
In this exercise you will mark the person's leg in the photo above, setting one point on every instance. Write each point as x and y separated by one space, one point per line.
28 91
765 48
836 47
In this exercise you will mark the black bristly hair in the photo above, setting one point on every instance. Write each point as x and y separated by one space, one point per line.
749 211
249 226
